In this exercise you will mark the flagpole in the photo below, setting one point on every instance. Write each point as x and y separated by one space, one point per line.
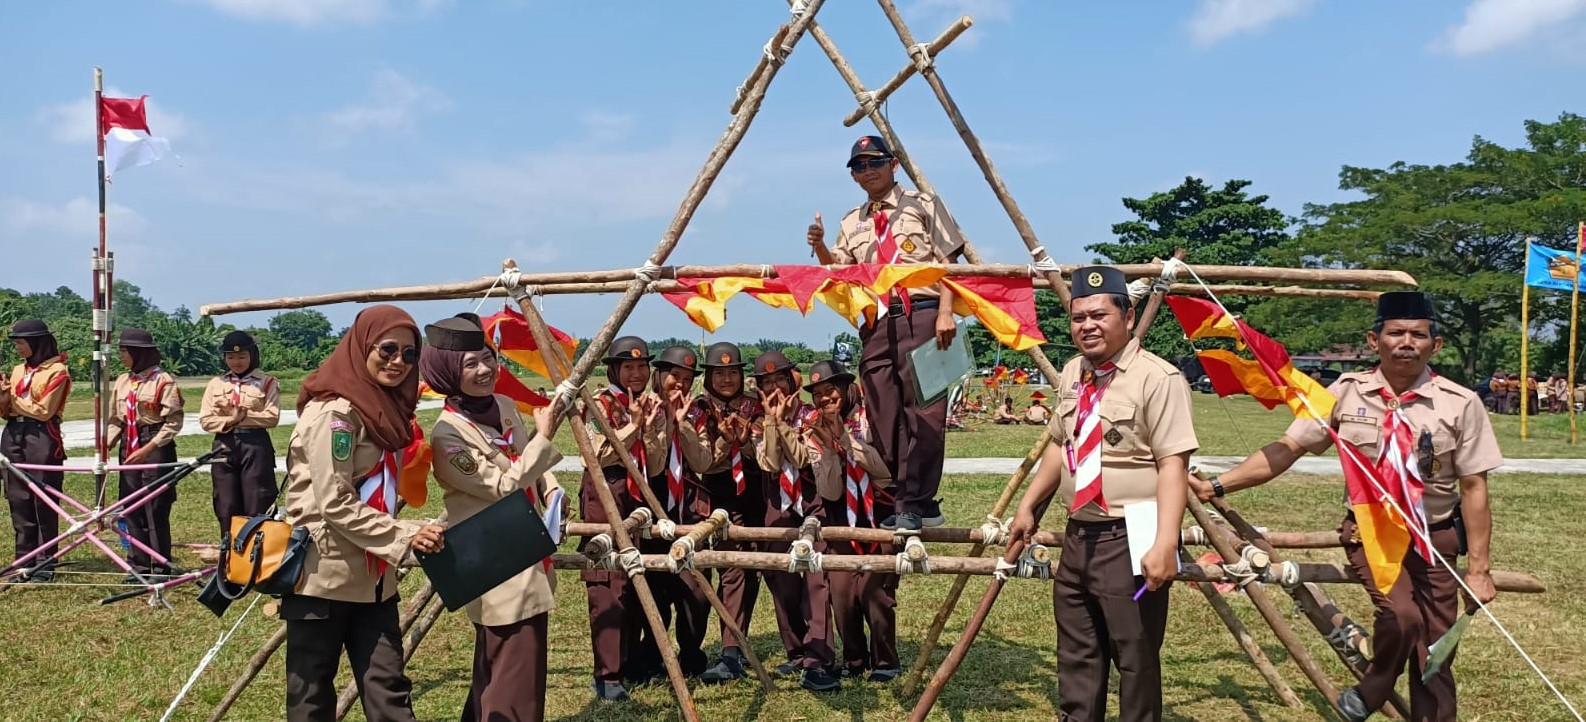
101 295
1574 315
1524 394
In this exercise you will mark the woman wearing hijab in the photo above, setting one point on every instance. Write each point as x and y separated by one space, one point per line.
31 402
145 416
484 452
239 408
355 424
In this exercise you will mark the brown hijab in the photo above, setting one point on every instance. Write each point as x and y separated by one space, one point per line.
387 412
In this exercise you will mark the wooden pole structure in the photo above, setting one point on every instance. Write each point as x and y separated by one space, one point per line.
1315 604
869 104
542 337
1269 611
621 280
1242 635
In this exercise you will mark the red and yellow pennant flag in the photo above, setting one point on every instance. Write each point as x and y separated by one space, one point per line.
998 373
509 333
1005 307
1021 377
1269 375
1384 536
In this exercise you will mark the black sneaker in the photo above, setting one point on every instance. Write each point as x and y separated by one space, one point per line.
851 672
1352 705
907 521
729 666
40 575
932 515
817 679
890 523
609 691
884 675
786 669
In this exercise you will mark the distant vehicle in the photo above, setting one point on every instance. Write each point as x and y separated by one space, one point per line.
1203 385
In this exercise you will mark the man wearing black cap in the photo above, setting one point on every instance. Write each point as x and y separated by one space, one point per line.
1451 447
734 483
1122 438
31 401
899 226
239 408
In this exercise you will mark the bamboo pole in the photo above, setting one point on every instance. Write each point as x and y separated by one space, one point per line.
1247 642
1317 606
542 336
869 104
1269 611
1192 536
618 280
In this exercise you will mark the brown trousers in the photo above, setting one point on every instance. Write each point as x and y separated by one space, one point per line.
1422 605
615 617
150 523
245 482
863 598
739 589
1100 625
910 438
317 632
802 601
509 672
30 441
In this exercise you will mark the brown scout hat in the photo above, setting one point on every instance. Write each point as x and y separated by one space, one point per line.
771 362
679 356
29 328
723 354
828 372
136 338
628 348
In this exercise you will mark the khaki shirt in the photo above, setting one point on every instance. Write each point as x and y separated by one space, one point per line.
1145 416
1462 437
46 391
921 225
830 465
159 402
259 394
475 473
692 441
777 440
322 495
656 437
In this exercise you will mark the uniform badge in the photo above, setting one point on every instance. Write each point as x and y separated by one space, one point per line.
1393 404
634 353
688 360
1094 279
1437 466
341 445
908 246
815 377
770 366
726 359
464 462
1113 437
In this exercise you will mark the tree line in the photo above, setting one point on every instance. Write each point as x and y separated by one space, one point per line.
1458 227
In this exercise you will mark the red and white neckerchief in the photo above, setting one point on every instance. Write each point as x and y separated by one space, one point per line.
237 383
1085 460
502 442
788 475
378 489
887 249
736 453
1398 468
623 400
133 443
675 473
26 380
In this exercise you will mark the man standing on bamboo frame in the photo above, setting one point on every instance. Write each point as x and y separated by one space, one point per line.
1418 428
895 225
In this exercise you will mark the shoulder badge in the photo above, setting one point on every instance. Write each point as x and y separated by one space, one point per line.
340 444
1113 437
464 462
908 246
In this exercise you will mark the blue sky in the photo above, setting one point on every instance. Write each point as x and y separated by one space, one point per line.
341 144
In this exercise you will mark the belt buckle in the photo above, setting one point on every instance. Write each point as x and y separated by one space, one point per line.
895 310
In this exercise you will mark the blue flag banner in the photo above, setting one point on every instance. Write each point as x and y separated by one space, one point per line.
1552 268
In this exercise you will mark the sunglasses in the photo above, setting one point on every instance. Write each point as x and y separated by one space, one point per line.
390 349
860 166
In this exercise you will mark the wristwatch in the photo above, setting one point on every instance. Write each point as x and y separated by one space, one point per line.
1217 487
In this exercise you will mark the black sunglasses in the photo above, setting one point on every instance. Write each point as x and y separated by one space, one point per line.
390 349
860 166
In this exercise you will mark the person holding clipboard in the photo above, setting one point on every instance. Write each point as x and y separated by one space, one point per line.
483 453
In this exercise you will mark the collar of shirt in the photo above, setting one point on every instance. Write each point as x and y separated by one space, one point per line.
1375 381
889 202
1122 359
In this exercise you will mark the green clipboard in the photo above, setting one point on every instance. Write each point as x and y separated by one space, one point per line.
938 370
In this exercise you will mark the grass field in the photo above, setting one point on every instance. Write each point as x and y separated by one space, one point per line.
70 659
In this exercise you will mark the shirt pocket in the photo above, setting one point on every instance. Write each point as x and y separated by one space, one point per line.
1363 435
252 397
1443 446
1119 434
1067 413
910 231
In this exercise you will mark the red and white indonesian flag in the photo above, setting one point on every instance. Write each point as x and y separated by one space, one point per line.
124 124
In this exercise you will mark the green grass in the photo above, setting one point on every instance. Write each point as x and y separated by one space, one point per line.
72 659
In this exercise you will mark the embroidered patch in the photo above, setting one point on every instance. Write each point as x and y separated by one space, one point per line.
453 448
340 425
908 246
726 359
634 353
464 462
1113 437
1094 279
341 445
1437 466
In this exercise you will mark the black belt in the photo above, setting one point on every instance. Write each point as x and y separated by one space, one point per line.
241 433
1094 527
899 309
1440 526
30 421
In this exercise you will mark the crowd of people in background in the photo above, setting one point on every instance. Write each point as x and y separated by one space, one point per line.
1504 390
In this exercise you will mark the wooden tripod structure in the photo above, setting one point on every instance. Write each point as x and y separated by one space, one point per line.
654 275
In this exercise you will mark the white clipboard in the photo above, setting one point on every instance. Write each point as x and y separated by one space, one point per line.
937 370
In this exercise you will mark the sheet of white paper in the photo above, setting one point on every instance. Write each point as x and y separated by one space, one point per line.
1140 521
553 515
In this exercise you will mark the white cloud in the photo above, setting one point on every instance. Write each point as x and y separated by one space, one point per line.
393 104
73 123
309 13
77 218
603 127
1216 20
1493 24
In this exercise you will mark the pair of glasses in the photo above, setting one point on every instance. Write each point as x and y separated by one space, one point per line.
391 349
860 166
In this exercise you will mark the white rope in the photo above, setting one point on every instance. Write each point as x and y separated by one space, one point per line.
903 565
632 562
1377 484
994 532
1043 263
510 279
486 297
921 52
1003 567
802 557
647 272
867 100
1286 574
666 529
1139 288
1240 572
1257 559
766 270
566 391
203 663
1031 567
687 562
798 7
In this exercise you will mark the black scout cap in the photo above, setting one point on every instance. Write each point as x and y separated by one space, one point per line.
870 146
237 342
628 348
1403 304
1095 280
827 372
771 362
454 334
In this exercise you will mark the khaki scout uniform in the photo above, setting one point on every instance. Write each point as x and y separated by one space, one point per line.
344 603
1145 415
859 598
32 435
159 412
910 438
245 477
802 601
510 627
738 589
615 618
1414 614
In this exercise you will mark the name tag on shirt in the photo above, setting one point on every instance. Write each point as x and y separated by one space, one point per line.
1361 419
